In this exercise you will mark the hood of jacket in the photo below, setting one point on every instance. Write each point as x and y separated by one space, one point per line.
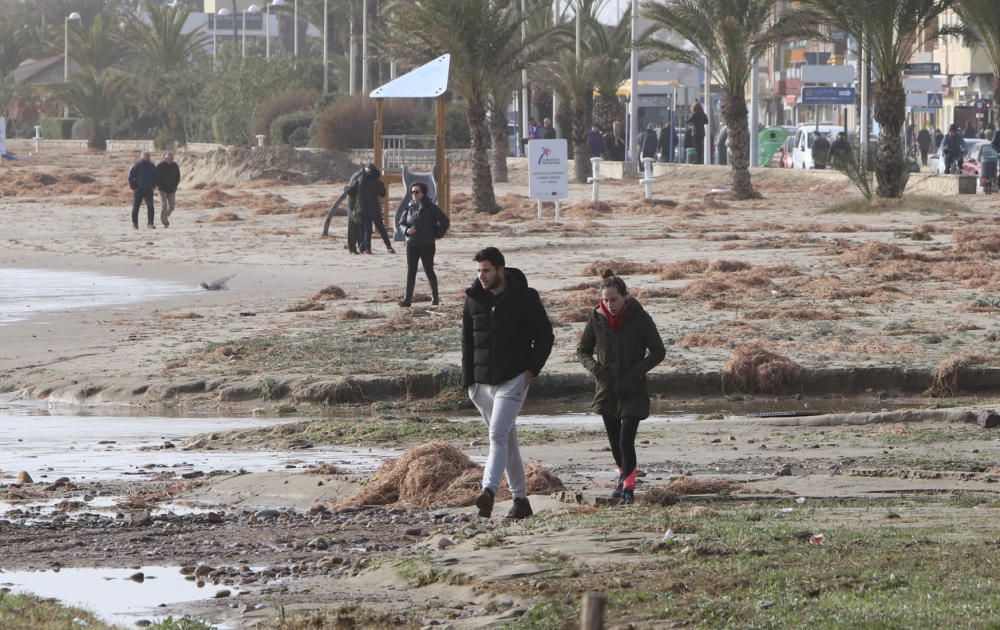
516 283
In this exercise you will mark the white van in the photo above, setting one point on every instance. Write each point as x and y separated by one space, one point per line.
802 147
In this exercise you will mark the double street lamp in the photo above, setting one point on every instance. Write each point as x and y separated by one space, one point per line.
253 8
215 32
72 17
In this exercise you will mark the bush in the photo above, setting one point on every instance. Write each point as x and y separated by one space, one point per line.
57 128
350 122
286 124
300 137
285 103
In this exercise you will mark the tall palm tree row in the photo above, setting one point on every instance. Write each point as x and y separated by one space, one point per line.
891 31
982 19
484 41
730 34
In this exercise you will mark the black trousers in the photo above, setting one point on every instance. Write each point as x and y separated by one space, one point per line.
137 198
425 255
923 155
621 436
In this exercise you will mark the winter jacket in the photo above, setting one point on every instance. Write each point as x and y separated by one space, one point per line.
622 360
647 143
504 335
668 142
821 151
697 121
142 176
953 145
595 142
614 147
924 139
368 190
168 176
548 133
431 223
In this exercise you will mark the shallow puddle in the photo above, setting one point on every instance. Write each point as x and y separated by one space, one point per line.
28 292
110 594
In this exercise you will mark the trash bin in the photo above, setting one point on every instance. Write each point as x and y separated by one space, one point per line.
691 155
988 169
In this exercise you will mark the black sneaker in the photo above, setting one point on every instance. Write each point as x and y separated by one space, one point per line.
521 509
617 494
404 303
485 503
628 496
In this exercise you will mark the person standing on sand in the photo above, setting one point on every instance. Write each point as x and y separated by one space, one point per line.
370 192
506 340
627 345
168 177
142 181
424 223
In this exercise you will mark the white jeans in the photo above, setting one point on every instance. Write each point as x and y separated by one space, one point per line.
499 406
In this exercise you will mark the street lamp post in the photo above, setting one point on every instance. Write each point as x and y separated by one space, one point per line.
75 17
275 3
215 32
253 8
326 44
295 34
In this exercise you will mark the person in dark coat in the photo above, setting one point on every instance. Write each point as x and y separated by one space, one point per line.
840 151
506 340
370 191
820 150
142 181
614 143
168 177
423 223
938 138
648 142
953 148
595 141
697 122
355 231
668 142
924 143
619 346
548 131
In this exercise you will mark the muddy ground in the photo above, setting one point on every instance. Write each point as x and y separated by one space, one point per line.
902 289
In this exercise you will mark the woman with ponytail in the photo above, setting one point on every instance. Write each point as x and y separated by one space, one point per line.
620 344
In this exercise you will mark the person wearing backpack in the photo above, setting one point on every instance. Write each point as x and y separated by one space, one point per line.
423 223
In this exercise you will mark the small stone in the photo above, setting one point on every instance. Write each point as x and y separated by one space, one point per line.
62 481
222 593
317 508
203 570
138 577
213 517
414 531
444 542
318 543
188 569
138 518
266 513
988 419
24 477
717 441
784 471
476 442
143 623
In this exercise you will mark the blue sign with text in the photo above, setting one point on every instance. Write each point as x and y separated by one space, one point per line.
827 96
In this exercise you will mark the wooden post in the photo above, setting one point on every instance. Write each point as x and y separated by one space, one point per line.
592 611
443 174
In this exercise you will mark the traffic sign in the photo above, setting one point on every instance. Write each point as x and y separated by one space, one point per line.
979 106
922 68
935 101
827 96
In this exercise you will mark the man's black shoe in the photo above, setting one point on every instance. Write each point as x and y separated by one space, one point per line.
485 503
521 509
628 496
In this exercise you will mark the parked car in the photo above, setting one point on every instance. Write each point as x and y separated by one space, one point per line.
785 152
973 159
802 146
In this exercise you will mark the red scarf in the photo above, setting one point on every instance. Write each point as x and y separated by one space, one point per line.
614 320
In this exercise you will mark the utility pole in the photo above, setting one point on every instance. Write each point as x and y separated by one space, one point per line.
364 46
555 99
633 99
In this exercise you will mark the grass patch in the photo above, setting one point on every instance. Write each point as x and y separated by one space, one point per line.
28 612
421 571
924 204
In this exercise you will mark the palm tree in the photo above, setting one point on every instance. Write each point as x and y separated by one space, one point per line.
94 94
97 47
612 44
891 31
982 18
731 34
14 40
574 84
165 52
484 40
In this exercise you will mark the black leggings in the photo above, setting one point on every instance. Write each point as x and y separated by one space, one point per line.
621 435
425 255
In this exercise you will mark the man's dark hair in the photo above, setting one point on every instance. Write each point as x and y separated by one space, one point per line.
491 255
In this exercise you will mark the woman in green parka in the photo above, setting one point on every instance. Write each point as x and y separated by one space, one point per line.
620 344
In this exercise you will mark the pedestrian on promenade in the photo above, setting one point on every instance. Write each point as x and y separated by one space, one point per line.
697 122
506 340
924 143
424 223
820 150
142 181
668 142
548 131
595 141
620 344
648 142
168 177
614 143
370 192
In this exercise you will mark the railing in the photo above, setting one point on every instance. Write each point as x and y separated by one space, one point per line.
408 150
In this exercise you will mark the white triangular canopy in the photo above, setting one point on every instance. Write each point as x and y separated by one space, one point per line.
428 81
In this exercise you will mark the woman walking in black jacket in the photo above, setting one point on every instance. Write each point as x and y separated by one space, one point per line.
627 346
423 223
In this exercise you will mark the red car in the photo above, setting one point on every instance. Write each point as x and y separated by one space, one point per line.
785 152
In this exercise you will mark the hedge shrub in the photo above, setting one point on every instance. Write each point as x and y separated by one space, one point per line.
57 128
297 100
283 126
349 123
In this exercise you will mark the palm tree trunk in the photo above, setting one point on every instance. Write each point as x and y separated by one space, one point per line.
498 133
890 108
735 115
583 106
482 181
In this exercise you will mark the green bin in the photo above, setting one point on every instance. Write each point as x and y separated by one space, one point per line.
691 155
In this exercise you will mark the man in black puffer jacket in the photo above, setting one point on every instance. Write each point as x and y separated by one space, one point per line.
506 340
142 181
